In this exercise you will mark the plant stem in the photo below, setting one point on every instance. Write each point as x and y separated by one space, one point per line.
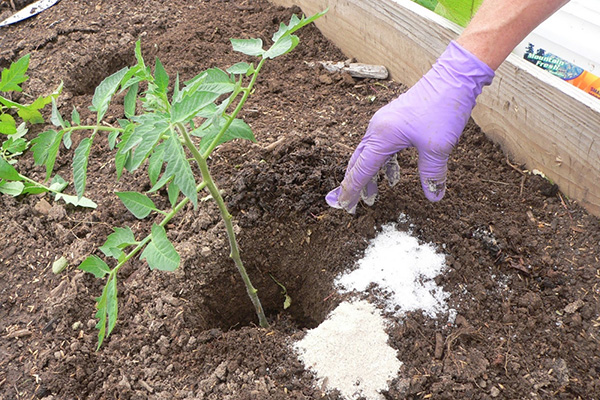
227 218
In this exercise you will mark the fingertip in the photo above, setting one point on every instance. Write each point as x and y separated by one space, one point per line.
333 196
434 190
333 200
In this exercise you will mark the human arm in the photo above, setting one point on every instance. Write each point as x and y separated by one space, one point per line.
433 113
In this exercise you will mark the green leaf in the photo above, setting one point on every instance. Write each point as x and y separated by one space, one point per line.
95 265
130 100
30 113
240 68
237 130
173 192
76 201
75 118
117 241
31 188
58 184
179 168
12 77
295 24
161 78
122 156
8 172
149 132
104 92
107 307
282 46
162 182
80 164
215 80
45 149
155 163
11 188
160 252
15 146
8 126
251 47
56 118
41 146
66 139
189 106
138 204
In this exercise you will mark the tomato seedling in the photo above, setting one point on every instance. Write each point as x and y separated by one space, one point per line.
174 126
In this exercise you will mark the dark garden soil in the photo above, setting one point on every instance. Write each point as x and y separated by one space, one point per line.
523 269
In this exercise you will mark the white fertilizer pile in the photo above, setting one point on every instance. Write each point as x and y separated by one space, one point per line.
349 350
405 269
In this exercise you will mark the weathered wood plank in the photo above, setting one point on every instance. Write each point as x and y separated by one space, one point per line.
538 119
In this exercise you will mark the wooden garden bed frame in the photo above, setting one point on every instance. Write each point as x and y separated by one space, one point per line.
538 119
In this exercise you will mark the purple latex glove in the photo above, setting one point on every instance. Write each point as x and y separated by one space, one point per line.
430 116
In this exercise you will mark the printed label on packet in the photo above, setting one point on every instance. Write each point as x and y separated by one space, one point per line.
568 72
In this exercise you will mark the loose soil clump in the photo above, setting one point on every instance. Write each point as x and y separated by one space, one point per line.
522 258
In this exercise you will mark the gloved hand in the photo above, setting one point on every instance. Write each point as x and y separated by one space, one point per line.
430 116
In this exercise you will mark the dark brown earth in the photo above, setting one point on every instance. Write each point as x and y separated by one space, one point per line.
523 269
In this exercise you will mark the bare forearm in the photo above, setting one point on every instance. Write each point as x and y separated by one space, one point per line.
500 25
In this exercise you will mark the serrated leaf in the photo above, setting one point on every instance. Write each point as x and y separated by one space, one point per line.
138 204
67 141
8 172
8 125
76 201
160 252
117 241
75 118
237 130
295 24
155 163
15 147
56 118
173 193
30 113
122 156
179 168
107 307
150 132
12 77
282 46
216 81
41 146
251 47
161 78
11 188
45 149
104 92
130 100
80 164
58 184
189 106
161 182
240 68
95 265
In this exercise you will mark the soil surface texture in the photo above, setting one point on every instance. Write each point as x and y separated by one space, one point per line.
522 259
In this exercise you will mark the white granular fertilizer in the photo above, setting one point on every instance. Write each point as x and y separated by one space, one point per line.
349 351
405 269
